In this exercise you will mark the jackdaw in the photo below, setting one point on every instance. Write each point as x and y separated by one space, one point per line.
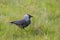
24 22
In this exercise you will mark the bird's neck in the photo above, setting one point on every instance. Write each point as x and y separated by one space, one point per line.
26 19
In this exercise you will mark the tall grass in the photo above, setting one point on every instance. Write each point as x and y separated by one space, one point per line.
45 23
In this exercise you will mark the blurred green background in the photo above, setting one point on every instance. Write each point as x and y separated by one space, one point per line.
45 23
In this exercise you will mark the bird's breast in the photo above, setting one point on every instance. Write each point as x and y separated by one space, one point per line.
27 23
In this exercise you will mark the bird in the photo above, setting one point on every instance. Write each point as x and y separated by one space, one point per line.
26 21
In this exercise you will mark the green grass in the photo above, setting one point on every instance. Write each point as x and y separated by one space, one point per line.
45 23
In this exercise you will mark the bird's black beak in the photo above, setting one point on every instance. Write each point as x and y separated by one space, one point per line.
30 16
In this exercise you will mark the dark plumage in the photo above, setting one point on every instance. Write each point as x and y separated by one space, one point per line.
24 22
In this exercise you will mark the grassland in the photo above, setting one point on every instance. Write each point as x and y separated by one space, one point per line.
45 23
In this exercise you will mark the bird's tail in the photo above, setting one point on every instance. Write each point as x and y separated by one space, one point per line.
11 22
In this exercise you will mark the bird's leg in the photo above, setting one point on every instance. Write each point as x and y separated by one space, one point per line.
25 29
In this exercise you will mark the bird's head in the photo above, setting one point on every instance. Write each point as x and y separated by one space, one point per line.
27 16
